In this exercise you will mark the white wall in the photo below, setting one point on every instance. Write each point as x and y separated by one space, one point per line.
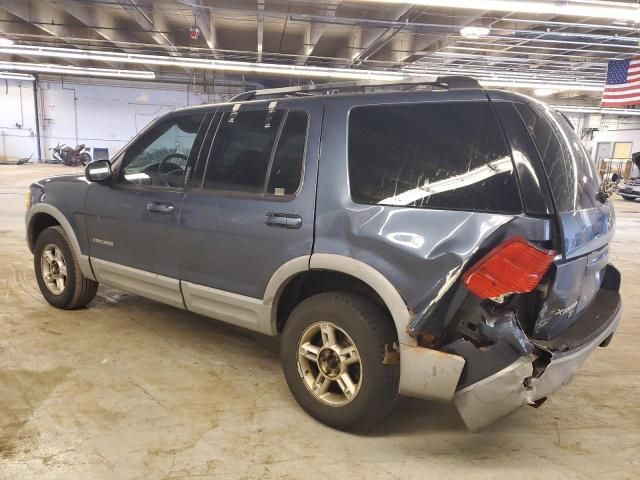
17 120
619 130
104 115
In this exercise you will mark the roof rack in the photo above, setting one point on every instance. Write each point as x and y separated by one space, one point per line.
447 82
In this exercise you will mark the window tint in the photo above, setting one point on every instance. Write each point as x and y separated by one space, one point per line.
573 179
240 154
534 190
286 170
159 157
431 155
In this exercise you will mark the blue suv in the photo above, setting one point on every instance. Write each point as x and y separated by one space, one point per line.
435 240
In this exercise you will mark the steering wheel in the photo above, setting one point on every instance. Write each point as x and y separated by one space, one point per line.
165 168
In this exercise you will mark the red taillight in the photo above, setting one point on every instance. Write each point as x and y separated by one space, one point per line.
514 266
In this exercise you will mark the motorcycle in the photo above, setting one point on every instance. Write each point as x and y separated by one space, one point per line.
71 157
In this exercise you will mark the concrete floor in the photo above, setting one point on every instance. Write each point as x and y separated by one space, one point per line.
129 388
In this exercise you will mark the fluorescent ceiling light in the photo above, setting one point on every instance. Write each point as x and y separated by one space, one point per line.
610 11
16 76
474 32
5 42
627 112
488 79
203 63
541 84
69 70
543 92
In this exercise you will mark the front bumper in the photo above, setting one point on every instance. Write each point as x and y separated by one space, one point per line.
523 383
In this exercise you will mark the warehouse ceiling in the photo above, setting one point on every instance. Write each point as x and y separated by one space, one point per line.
520 47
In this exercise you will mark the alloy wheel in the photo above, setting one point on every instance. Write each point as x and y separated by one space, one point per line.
329 364
54 269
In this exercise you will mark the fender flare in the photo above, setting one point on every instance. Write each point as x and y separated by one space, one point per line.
48 209
350 266
377 281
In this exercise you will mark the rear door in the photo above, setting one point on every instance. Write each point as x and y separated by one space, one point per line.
250 208
586 224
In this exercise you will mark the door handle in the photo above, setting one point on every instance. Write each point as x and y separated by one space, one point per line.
160 207
283 220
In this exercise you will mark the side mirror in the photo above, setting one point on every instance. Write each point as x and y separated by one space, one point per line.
98 171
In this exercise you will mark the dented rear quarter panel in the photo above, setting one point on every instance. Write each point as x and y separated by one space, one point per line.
422 252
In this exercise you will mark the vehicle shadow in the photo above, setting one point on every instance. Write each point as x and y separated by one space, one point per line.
204 335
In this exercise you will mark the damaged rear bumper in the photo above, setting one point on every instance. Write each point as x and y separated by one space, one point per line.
525 382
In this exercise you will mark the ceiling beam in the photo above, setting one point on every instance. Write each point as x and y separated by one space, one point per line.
24 12
98 19
422 47
373 41
29 11
354 45
315 30
145 18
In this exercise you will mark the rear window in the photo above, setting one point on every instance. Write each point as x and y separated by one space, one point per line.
431 155
572 177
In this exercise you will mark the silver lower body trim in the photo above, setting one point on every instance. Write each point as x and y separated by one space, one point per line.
146 284
246 312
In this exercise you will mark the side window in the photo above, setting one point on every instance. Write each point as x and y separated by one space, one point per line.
288 160
431 155
241 151
572 177
159 158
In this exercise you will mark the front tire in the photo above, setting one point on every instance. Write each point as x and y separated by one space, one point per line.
61 282
332 352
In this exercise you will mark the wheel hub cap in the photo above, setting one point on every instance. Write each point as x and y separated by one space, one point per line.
329 363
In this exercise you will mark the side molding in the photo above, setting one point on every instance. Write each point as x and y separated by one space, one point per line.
246 312
424 373
146 284
83 260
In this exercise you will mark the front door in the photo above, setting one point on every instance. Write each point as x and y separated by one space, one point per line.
251 209
132 221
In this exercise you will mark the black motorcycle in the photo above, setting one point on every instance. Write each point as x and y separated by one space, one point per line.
71 157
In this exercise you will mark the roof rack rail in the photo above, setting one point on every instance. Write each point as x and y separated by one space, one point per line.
447 82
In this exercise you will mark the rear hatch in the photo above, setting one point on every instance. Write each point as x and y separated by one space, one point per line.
585 224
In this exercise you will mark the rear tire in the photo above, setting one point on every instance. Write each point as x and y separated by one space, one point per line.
348 386
628 199
58 273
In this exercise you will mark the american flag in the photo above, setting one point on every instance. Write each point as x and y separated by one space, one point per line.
623 83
